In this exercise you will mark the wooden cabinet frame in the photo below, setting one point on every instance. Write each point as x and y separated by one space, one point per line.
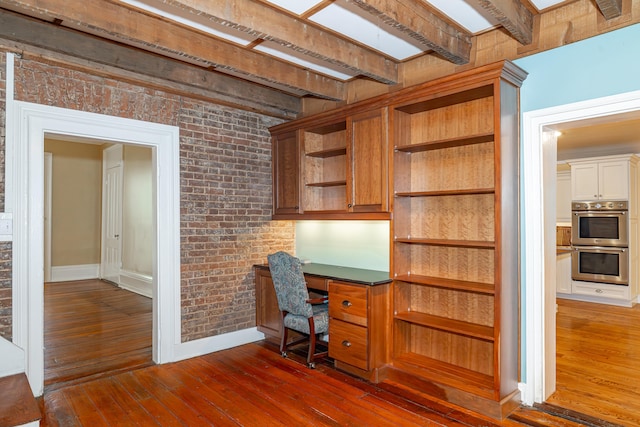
453 166
343 171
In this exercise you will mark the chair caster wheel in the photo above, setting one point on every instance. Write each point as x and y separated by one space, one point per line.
284 354
311 365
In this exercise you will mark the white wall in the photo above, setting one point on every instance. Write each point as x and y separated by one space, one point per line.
137 215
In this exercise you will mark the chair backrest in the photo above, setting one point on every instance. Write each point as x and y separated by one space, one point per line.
289 283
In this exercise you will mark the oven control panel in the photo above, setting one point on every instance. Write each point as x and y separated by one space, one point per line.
620 205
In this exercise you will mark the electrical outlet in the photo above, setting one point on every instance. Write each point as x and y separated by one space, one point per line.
6 226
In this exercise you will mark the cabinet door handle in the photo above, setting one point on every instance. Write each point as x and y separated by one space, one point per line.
346 303
346 343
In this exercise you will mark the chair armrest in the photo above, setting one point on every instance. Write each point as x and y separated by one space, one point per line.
322 300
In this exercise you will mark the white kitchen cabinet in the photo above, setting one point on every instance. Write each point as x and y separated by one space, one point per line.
601 178
563 273
563 197
602 292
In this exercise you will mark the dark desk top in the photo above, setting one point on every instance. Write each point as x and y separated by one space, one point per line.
347 274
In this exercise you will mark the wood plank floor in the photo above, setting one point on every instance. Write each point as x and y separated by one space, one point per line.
93 328
250 385
598 361
96 377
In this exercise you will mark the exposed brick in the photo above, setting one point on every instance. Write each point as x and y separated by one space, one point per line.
225 188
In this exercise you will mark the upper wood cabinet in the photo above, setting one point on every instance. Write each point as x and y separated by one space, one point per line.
286 173
368 189
341 167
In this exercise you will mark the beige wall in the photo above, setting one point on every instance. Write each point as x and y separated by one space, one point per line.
137 210
76 202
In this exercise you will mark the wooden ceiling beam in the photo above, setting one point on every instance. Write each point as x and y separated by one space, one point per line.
514 17
128 26
412 18
57 44
610 8
264 22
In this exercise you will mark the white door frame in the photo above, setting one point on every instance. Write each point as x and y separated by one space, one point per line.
538 144
27 125
48 176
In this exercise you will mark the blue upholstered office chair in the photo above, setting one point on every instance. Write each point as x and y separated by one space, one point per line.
309 317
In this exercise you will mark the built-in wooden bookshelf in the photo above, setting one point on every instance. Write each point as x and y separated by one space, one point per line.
451 149
455 239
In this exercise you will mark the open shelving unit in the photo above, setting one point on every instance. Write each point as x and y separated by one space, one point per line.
325 168
455 239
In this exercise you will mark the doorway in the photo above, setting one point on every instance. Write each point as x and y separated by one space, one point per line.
540 150
92 327
24 197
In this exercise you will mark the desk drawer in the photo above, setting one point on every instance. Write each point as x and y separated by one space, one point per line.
348 303
317 283
348 343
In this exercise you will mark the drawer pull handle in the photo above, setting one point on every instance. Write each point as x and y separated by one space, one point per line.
346 303
346 343
599 291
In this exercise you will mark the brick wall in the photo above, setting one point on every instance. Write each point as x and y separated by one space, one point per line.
225 160
225 170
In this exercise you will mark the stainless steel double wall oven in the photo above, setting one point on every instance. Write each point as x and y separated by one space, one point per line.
600 242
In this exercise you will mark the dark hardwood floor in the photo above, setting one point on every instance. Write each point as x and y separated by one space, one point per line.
598 361
93 328
99 373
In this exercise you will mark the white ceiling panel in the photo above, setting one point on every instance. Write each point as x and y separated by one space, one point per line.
198 22
295 6
542 4
349 20
301 59
466 13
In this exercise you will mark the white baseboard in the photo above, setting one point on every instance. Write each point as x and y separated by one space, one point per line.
136 282
208 345
65 273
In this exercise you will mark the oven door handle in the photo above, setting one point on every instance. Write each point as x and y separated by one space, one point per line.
599 248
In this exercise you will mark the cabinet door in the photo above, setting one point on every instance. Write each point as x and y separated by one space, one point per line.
368 163
563 274
563 197
584 181
286 173
268 318
613 180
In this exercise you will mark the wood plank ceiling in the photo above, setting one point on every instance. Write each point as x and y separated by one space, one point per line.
267 54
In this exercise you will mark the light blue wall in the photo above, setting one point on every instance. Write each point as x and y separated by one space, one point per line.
358 244
605 65
608 64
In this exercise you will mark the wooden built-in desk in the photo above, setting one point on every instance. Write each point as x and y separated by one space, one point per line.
360 314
